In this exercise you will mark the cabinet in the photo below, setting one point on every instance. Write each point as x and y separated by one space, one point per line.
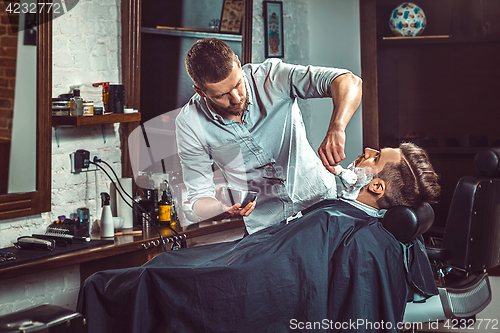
95 120
128 250
442 87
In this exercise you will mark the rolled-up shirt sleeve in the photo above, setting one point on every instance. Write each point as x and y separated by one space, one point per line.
302 81
195 162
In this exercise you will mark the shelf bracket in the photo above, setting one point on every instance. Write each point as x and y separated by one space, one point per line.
57 135
103 126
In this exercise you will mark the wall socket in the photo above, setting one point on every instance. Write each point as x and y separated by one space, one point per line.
92 167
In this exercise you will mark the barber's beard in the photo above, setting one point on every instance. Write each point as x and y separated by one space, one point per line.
230 110
364 177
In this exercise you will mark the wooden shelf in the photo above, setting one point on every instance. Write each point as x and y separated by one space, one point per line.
96 120
415 37
436 39
194 33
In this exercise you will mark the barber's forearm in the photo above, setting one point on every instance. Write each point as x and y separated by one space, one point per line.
207 208
346 95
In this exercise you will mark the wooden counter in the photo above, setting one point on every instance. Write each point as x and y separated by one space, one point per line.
127 250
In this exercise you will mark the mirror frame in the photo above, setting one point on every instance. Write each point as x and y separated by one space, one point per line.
131 63
30 203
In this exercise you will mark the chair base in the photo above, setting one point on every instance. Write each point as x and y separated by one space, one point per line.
463 302
468 300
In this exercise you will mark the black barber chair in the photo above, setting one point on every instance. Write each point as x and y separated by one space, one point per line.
470 245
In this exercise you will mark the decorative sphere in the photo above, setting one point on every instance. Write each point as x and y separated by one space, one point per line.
407 20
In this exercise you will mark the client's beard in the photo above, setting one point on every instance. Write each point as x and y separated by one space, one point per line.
364 177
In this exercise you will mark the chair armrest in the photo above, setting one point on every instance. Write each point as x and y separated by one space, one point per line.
437 253
435 231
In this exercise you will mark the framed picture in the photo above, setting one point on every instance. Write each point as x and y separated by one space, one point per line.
232 14
273 23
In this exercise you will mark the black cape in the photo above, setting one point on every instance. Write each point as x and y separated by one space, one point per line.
335 269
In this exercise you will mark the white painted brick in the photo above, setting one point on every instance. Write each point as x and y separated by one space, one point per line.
59 286
81 60
113 59
67 61
70 27
113 13
67 299
23 304
6 308
113 46
60 42
98 63
11 292
35 288
55 284
110 3
72 277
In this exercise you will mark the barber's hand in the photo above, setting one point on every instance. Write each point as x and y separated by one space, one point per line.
235 210
331 150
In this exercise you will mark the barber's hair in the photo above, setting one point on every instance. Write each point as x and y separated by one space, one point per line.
209 60
411 181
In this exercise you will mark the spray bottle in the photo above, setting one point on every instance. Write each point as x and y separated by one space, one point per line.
107 226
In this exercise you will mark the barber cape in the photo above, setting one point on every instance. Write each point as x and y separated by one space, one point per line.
334 269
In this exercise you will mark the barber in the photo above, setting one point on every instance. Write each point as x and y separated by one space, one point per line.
247 121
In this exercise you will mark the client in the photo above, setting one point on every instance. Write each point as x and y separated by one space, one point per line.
334 269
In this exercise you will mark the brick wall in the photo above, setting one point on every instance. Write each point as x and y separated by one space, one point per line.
8 55
59 286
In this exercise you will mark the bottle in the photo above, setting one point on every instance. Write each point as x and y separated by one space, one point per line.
107 225
164 208
76 104
174 219
173 214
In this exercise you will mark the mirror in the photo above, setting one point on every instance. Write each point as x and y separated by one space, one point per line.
32 198
18 106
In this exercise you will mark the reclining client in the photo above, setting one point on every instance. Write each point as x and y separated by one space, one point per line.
334 269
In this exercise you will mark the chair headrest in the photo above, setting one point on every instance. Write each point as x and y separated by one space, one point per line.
407 223
487 161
